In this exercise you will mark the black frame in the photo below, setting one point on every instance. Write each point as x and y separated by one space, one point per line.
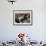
24 24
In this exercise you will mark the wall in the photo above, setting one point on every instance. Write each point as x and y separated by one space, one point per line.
37 31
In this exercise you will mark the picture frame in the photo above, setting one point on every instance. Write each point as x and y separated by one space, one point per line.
22 17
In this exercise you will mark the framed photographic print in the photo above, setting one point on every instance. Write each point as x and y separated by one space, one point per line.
22 17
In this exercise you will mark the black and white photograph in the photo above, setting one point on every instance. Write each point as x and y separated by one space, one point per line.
22 16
